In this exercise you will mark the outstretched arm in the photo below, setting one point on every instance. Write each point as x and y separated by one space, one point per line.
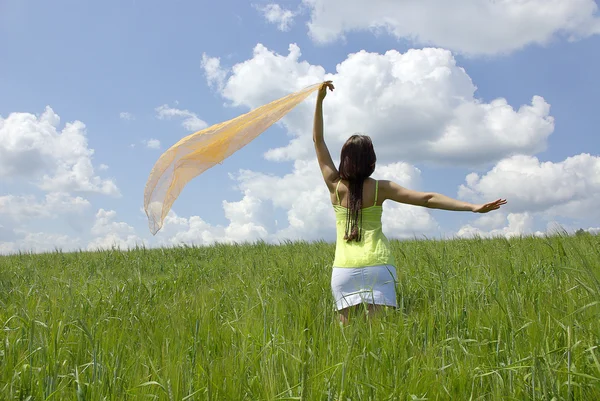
432 200
328 169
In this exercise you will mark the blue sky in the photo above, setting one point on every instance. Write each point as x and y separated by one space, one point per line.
94 61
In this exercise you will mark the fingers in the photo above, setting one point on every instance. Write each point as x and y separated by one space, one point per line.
495 205
498 202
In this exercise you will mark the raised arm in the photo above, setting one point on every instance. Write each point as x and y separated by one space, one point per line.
328 169
432 200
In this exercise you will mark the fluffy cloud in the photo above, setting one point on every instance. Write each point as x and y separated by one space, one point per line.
275 14
22 208
112 234
305 186
405 221
32 147
417 106
191 231
190 122
301 193
215 75
20 217
519 224
467 26
38 242
570 188
245 218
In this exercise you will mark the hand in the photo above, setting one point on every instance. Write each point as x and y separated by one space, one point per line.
323 89
488 207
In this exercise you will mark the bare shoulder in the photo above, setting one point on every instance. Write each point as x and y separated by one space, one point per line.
385 189
343 189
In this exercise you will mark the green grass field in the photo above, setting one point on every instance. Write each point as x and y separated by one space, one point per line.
478 320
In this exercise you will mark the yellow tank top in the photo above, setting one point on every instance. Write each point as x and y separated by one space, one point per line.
374 247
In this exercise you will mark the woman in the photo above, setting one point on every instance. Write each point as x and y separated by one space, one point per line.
364 270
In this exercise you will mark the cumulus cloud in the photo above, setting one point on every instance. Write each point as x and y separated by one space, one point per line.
124 115
32 147
417 106
467 26
109 233
570 188
519 224
246 218
400 220
23 208
191 231
37 242
277 15
292 193
537 192
215 75
191 121
21 216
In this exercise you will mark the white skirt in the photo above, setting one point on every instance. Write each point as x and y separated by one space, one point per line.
355 285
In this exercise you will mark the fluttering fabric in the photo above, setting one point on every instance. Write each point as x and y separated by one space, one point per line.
201 150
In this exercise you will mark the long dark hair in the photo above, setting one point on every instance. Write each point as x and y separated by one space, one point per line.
357 163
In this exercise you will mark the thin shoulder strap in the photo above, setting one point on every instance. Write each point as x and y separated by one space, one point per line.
376 191
337 195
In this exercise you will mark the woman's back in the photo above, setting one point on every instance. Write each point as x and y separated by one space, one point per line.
372 248
368 195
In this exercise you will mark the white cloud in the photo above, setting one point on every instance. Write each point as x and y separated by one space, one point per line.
38 242
21 216
32 147
215 75
301 193
191 122
400 220
519 224
152 143
103 167
468 26
275 14
22 208
570 188
243 227
192 231
245 219
304 186
124 115
417 106
112 234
